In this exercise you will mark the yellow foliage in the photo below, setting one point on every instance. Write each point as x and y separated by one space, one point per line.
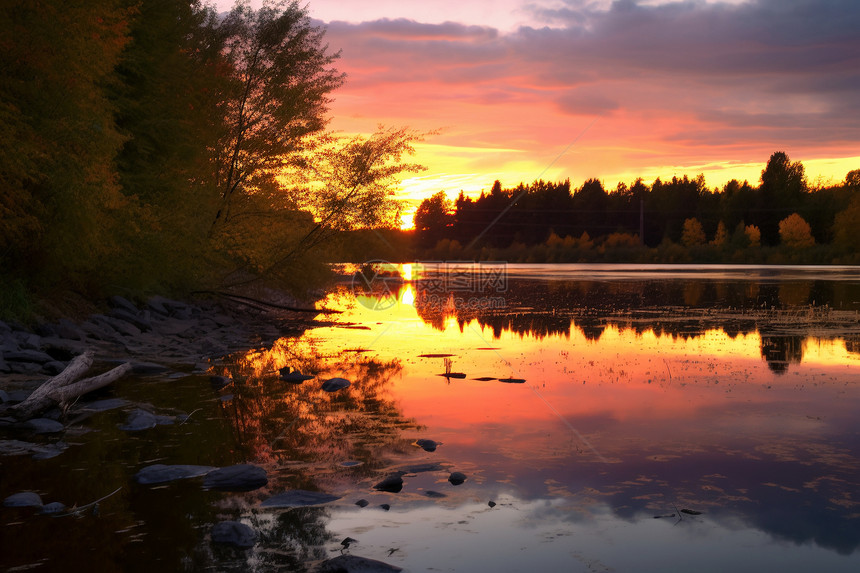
753 234
795 233
693 233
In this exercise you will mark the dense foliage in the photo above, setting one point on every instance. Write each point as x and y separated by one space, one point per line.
156 145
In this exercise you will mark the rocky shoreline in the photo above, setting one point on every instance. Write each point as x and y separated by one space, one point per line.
159 336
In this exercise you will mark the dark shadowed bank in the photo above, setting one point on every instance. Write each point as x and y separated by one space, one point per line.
156 336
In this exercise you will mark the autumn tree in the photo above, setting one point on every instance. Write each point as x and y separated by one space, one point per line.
795 233
59 194
280 81
753 234
721 237
693 234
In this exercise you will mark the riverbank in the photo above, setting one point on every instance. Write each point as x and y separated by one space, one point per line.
157 336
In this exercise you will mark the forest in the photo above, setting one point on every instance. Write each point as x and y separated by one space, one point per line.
157 146
784 219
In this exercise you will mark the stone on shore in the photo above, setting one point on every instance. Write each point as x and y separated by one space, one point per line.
234 533
241 477
43 426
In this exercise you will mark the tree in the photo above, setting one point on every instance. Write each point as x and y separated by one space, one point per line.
721 237
280 78
432 219
60 195
845 227
753 234
693 234
783 186
795 233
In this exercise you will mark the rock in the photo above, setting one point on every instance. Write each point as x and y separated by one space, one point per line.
119 302
298 498
427 445
234 533
362 503
241 477
53 507
43 426
391 484
335 384
457 478
219 382
121 326
36 356
434 494
24 367
385 506
16 396
512 380
491 503
132 318
160 473
69 330
354 564
148 368
23 499
142 420
54 367
298 377
104 405
351 464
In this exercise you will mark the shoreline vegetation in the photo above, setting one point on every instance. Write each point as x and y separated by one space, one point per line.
248 188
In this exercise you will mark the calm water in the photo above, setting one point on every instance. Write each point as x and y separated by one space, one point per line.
730 393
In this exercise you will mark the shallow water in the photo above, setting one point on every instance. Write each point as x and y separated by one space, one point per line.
632 394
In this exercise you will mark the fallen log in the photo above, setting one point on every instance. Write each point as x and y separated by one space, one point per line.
66 386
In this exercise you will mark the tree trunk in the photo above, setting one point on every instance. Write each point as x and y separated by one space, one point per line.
63 387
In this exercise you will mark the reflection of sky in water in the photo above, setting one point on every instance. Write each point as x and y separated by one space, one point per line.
606 433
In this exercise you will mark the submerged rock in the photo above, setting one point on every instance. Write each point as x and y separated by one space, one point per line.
53 507
241 477
298 498
161 473
23 499
335 384
457 478
356 564
434 494
43 426
234 533
294 376
427 445
391 484
362 503
140 419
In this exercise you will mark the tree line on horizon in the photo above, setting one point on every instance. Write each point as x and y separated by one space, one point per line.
782 219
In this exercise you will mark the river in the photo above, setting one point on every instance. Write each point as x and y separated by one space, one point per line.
605 417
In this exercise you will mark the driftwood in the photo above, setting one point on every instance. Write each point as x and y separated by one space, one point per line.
66 386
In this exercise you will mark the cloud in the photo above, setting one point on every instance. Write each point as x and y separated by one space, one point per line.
661 76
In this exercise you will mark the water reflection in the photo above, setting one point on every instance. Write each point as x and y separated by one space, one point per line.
733 398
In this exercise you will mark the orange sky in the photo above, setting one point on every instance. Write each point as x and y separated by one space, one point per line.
555 89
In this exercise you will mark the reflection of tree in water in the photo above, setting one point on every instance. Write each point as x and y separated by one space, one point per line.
302 434
780 351
676 308
276 420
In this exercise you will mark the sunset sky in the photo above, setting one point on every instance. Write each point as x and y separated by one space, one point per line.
527 89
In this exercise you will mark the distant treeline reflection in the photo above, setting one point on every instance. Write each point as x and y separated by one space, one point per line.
781 312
